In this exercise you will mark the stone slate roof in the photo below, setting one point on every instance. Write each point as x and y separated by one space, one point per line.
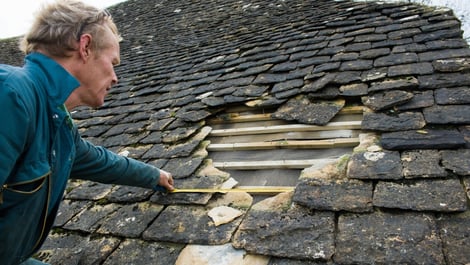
401 196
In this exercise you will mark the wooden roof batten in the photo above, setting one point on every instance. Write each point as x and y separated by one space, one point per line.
243 140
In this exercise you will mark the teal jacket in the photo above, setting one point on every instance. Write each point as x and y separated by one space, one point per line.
40 149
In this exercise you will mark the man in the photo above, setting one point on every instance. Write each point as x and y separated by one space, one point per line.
71 50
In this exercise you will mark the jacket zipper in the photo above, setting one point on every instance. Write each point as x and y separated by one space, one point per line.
49 187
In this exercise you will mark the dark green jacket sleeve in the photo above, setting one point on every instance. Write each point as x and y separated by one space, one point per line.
101 165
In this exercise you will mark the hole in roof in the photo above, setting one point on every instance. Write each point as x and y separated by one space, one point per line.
259 150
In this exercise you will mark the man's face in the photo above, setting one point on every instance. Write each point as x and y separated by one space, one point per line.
99 76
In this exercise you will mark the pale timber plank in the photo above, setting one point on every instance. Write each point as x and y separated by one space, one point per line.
318 135
307 144
341 125
273 164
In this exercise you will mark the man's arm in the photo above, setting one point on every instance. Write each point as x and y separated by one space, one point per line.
99 164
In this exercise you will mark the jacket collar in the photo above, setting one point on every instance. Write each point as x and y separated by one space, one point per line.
57 82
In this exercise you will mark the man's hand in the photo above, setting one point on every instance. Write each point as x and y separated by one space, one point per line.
166 180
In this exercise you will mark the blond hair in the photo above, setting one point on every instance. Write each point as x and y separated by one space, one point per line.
58 27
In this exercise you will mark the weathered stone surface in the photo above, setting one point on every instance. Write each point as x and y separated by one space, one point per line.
179 134
356 65
159 123
123 139
370 37
128 194
329 189
455 95
408 82
276 227
457 161
449 114
68 209
410 47
133 251
250 91
422 139
326 67
303 110
374 74
358 89
347 77
422 164
405 238
183 167
191 224
76 249
130 220
452 65
177 150
374 53
269 78
88 219
218 255
94 131
385 100
135 151
152 138
455 234
410 69
319 83
193 115
401 122
438 35
126 128
420 100
69 245
422 195
444 55
329 92
375 165
394 59
287 85
89 190
436 81
403 33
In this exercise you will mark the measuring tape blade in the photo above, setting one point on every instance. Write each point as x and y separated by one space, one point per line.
247 190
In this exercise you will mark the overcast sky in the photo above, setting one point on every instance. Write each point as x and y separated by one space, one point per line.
16 15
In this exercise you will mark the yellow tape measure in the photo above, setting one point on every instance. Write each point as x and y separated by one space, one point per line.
241 189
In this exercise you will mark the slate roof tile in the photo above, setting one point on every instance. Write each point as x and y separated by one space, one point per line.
401 196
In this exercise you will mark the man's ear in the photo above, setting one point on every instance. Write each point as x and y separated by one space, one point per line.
85 47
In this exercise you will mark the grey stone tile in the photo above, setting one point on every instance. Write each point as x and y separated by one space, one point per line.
392 238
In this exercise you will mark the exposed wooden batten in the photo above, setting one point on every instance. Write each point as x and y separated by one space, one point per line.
307 144
258 150
317 135
349 125
273 164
